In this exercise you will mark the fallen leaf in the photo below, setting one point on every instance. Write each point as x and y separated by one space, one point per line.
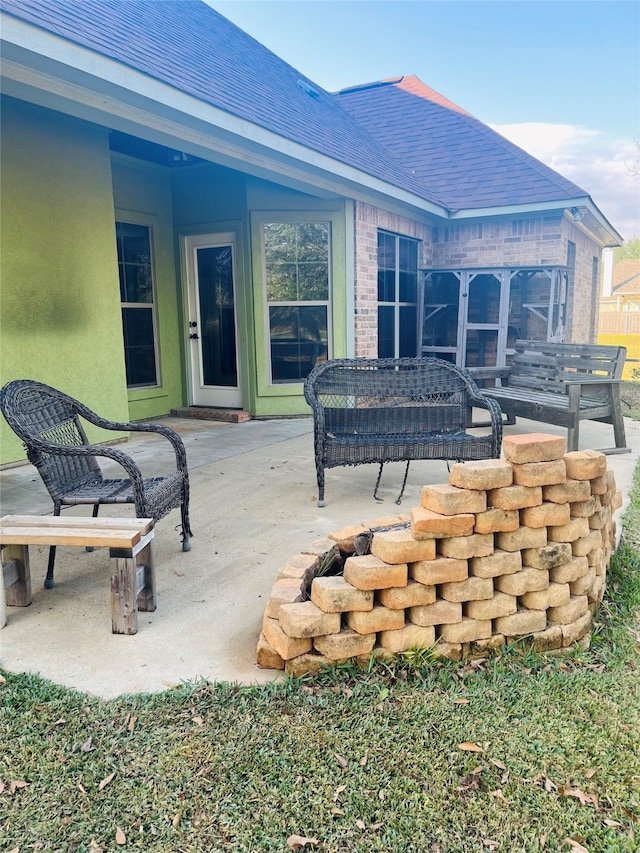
613 823
335 810
585 799
361 824
16 784
499 796
106 781
121 838
341 761
461 702
576 846
543 841
470 747
132 723
198 721
82 789
381 795
363 761
338 791
297 841
175 823
498 764
59 723
490 843
3 680
549 785
86 746
590 773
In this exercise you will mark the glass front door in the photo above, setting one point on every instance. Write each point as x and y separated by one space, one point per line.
212 320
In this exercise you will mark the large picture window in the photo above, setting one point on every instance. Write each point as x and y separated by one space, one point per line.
397 296
297 275
137 298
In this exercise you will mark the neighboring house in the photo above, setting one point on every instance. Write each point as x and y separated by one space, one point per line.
623 294
187 220
619 320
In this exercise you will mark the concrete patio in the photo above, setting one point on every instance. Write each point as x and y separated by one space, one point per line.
253 504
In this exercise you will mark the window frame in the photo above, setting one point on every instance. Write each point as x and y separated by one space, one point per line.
397 304
123 218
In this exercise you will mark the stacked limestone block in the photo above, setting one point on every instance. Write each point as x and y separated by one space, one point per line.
508 549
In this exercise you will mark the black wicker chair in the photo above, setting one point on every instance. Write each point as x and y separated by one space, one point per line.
49 424
396 410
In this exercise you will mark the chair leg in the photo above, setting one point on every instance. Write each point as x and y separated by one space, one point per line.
375 491
48 581
96 507
404 483
186 527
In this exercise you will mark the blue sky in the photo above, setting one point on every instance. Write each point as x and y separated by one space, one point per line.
561 78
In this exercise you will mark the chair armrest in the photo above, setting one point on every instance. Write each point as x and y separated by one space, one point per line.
133 471
495 413
138 426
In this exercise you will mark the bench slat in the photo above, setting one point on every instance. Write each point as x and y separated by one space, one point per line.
143 525
111 538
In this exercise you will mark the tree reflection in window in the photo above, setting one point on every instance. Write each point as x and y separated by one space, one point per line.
297 265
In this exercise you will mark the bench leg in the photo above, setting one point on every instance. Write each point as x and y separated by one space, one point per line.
16 575
124 597
573 432
146 571
616 417
133 584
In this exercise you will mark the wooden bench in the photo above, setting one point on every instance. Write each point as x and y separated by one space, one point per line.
562 384
395 410
130 543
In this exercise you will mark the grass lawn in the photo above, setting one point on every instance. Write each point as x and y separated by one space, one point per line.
630 398
515 753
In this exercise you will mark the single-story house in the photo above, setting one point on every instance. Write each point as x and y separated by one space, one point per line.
189 221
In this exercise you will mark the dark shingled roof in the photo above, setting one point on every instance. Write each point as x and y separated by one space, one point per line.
194 49
400 132
462 161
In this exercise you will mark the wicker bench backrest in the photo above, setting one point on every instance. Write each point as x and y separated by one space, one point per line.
382 395
36 413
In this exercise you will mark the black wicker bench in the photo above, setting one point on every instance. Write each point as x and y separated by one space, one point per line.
562 384
395 410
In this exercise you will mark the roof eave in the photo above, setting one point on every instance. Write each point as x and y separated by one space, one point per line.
586 216
52 71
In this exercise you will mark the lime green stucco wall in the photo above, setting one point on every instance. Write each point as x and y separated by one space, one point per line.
142 195
60 312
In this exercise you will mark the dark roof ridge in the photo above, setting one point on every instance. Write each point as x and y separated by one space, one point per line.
376 84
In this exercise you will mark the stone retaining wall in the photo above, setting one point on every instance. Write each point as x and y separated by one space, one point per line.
507 549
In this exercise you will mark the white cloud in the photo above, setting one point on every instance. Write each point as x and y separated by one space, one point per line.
592 159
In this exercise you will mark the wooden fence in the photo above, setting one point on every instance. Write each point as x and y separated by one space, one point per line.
622 329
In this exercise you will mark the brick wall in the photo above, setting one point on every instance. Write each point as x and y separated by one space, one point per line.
534 240
508 549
